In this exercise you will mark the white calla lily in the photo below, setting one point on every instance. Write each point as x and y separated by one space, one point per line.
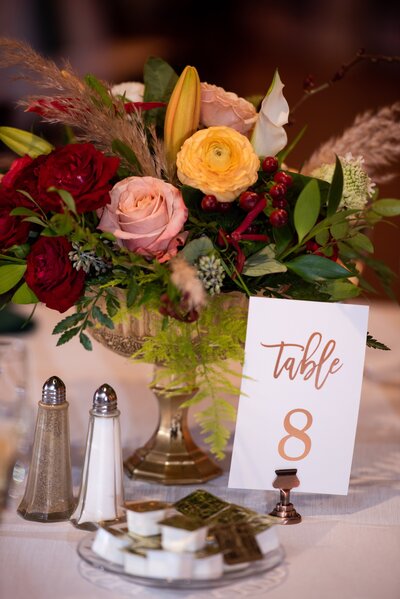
269 136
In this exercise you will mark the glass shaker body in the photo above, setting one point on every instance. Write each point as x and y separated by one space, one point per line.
101 495
48 494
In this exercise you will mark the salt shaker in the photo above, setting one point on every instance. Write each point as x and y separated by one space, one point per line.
48 494
101 495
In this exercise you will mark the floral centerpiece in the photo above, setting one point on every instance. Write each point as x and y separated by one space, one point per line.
171 196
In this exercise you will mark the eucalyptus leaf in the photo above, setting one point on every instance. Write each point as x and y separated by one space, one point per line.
10 275
24 295
307 209
263 262
336 189
317 268
196 248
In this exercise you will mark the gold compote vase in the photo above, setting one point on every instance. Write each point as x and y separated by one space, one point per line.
170 456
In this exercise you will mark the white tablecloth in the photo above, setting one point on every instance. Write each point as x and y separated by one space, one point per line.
347 547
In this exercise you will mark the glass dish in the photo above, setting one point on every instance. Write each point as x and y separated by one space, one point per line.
270 560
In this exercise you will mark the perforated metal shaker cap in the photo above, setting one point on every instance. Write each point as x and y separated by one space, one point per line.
104 400
53 391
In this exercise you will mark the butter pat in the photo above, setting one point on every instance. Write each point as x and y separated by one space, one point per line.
169 564
180 533
143 516
135 562
208 563
109 543
267 538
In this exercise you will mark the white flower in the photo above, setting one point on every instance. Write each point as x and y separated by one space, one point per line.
269 136
358 188
133 90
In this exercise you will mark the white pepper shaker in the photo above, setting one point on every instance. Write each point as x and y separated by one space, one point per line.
101 495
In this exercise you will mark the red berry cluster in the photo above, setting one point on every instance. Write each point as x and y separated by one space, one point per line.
279 216
209 203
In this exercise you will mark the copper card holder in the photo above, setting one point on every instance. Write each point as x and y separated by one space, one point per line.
285 481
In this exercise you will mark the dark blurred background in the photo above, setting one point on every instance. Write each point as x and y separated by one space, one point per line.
234 44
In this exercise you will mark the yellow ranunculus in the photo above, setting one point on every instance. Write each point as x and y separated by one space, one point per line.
218 161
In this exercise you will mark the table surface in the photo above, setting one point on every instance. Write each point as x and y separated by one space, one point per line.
346 546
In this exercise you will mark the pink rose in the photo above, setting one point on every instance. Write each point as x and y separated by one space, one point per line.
219 107
146 215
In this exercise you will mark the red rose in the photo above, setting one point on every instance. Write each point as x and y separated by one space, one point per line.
50 273
22 175
12 230
83 171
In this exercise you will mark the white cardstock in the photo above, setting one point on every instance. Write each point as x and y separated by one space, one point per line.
300 394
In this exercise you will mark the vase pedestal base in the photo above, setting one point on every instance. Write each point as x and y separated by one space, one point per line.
172 468
170 456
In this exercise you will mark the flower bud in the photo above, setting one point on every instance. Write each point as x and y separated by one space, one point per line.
24 142
183 113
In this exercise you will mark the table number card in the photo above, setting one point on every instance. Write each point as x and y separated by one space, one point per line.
300 394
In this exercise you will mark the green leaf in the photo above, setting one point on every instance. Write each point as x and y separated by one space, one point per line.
62 223
307 209
340 230
112 305
386 207
159 80
322 237
35 220
282 238
24 295
132 293
196 248
102 318
126 152
10 275
66 198
99 88
68 322
283 154
336 189
21 211
340 289
263 263
68 335
256 100
361 242
316 268
85 341
371 342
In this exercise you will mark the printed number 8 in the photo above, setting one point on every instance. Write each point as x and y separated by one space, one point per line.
298 433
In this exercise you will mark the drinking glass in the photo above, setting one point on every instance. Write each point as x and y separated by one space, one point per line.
13 410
